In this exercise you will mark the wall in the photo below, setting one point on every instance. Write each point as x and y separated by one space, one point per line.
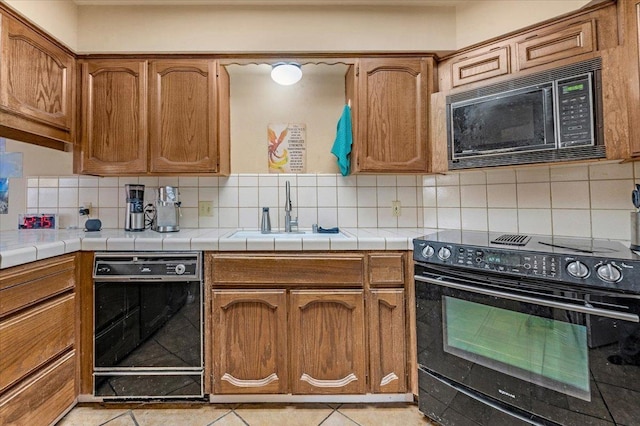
572 200
57 17
477 21
256 101
36 161
259 29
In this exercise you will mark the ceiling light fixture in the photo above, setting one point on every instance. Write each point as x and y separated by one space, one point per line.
286 73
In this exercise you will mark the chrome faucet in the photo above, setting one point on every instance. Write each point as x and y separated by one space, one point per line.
288 222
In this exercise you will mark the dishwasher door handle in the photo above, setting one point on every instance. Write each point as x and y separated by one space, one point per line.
533 300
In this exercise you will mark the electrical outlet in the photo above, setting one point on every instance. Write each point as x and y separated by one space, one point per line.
85 208
396 208
205 208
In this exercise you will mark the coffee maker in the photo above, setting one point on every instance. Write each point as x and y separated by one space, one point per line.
167 210
134 216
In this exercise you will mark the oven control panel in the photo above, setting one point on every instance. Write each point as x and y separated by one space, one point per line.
575 269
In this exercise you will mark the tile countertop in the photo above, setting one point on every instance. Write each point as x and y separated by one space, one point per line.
24 246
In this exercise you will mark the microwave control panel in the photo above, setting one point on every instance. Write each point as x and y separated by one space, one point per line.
575 112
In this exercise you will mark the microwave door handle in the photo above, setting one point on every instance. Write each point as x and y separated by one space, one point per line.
533 300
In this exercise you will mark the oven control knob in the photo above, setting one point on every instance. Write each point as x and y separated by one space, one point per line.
444 253
609 273
577 269
180 268
428 251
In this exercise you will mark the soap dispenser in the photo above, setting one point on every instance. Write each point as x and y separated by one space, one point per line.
265 225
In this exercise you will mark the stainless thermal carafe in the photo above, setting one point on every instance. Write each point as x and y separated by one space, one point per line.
167 210
134 216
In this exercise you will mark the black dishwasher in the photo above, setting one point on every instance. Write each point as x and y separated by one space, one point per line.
148 318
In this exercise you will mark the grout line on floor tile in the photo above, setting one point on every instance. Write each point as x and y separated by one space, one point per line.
126 413
333 410
232 411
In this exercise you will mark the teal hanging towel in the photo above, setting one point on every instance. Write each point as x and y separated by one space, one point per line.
344 138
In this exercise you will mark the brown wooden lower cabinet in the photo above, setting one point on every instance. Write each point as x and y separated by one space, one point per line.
327 342
387 341
249 341
294 333
43 397
38 348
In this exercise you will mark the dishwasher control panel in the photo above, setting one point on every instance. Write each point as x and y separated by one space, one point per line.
147 266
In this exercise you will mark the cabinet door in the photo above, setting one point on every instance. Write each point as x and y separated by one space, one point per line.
632 34
36 82
555 43
41 398
183 116
327 342
387 341
249 341
392 115
476 67
33 338
114 117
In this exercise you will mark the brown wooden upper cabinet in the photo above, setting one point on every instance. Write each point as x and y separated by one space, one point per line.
159 117
631 14
37 86
114 117
551 44
390 98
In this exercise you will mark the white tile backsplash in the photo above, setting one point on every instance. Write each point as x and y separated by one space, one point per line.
448 196
503 220
569 200
501 176
570 195
611 171
532 174
571 222
502 195
534 195
611 194
473 196
534 221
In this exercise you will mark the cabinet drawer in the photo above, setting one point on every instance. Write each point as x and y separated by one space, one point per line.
31 339
481 67
258 270
386 270
555 44
41 398
25 285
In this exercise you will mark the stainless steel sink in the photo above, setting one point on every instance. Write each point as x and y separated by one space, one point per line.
256 234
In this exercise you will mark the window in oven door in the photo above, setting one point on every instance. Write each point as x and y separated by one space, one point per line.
522 344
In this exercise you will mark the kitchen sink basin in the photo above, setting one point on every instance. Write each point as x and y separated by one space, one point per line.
256 234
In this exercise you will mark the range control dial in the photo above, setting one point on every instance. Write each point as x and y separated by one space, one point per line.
609 273
180 269
577 269
428 251
444 253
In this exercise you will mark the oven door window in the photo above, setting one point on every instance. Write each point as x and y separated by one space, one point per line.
521 120
543 351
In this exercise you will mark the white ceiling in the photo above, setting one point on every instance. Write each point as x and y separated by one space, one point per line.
449 3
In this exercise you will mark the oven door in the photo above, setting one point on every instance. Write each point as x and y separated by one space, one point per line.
547 354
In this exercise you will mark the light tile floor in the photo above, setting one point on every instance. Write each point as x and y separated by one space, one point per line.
148 414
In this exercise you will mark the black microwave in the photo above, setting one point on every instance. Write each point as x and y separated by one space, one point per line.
551 116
